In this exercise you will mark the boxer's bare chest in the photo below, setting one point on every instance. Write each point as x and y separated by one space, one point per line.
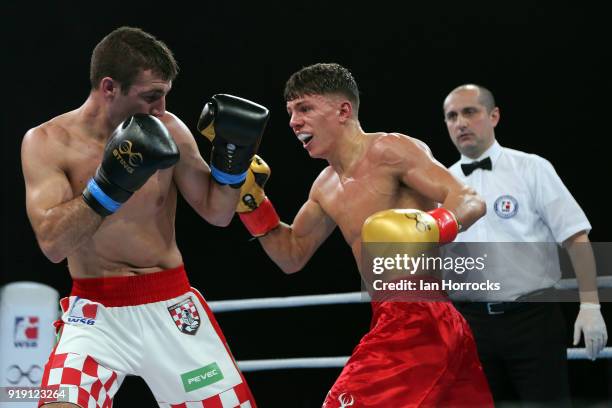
81 158
140 233
351 198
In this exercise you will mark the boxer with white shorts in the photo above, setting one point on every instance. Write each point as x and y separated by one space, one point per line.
102 184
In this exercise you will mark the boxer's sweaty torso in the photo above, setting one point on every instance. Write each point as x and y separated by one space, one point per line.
139 237
373 184
417 352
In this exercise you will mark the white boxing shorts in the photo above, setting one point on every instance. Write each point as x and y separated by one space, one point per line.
154 326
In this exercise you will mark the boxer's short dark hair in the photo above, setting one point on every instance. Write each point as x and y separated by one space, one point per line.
125 52
321 79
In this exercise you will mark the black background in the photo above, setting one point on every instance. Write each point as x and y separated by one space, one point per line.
544 63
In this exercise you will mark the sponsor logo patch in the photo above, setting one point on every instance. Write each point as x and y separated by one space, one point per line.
83 312
185 316
201 377
346 400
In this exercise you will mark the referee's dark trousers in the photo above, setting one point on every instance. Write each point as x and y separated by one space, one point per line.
522 348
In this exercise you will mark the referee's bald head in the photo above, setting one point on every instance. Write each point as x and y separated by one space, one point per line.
485 97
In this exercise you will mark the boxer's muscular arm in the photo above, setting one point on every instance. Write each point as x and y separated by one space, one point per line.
421 172
291 246
60 221
212 201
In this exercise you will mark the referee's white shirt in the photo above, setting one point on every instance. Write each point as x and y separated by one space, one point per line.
526 203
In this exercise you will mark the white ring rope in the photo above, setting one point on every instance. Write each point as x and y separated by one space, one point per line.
220 306
290 301
286 363
568 284
339 362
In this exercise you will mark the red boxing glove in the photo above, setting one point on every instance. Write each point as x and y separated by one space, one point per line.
448 226
262 220
255 209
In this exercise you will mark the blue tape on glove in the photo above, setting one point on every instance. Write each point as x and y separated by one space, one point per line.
226 178
104 200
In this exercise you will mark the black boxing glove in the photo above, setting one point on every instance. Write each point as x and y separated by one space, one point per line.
136 150
234 126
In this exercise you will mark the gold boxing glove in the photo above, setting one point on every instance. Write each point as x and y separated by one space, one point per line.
409 225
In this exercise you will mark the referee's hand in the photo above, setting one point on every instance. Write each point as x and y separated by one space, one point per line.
591 322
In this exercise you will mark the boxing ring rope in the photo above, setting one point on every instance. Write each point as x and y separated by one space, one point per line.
339 362
221 306
292 363
234 305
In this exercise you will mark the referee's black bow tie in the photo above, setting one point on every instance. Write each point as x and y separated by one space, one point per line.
484 164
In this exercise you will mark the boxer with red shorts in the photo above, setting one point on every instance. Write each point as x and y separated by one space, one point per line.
417 354
102 184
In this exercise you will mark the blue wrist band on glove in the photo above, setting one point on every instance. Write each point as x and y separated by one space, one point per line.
104 200
226 178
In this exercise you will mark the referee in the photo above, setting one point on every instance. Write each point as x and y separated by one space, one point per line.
521 345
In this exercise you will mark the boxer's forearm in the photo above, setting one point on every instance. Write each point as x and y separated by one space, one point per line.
220 205
467 206
284 249
65 227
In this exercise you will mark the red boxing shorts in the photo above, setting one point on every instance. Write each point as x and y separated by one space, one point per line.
154 326
416 354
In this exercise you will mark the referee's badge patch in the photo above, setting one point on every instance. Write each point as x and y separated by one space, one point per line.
185 316
506 206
